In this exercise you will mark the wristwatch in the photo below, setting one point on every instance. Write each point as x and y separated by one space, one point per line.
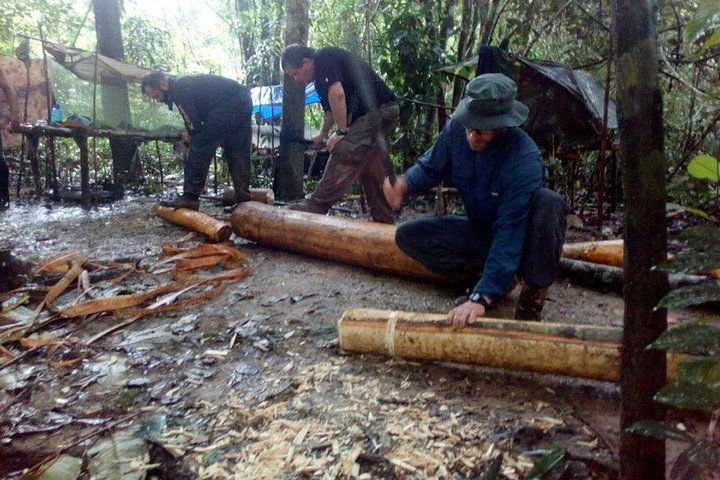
477 297
340 133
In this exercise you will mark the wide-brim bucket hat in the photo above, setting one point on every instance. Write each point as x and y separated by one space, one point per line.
489 104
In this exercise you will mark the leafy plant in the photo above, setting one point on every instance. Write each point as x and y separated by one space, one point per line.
697 383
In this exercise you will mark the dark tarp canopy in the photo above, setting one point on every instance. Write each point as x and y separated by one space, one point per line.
566 105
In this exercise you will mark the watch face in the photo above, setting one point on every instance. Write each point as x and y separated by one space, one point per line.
475 297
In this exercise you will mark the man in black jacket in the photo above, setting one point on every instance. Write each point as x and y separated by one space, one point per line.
217 112
365 112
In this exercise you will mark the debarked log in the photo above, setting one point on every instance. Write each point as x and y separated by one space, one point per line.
607 252
607 276
262 195
215 230
367 244
572 350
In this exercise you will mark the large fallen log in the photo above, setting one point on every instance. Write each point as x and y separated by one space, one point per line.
573 350
215 230
370 245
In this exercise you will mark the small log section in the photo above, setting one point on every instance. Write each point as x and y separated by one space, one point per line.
366 244
215 230
572 350
262 195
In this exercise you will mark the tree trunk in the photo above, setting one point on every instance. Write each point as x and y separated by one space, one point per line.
288 178
114 97
641 143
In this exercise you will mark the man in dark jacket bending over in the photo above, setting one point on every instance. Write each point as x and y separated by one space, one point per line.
512 224
217 112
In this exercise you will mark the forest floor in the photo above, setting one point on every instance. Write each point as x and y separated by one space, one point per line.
252 383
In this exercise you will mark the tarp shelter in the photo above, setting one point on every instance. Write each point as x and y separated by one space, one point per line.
566 104
267 101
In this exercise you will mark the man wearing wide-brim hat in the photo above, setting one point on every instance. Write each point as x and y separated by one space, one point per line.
512 225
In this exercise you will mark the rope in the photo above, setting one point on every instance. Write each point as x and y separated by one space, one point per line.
390 333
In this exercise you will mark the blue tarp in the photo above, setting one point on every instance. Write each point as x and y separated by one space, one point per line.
267 101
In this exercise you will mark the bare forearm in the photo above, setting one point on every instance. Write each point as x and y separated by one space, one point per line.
327 124
338 106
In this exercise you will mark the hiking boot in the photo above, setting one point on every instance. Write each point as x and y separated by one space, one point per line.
183 201
4 203
530 303
307 206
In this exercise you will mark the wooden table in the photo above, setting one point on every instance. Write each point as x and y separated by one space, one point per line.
33 132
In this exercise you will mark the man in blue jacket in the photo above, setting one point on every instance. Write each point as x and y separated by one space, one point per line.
217 112
512 224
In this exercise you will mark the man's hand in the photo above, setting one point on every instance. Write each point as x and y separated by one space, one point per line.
465 314
333 140
395 193
317 141
185 138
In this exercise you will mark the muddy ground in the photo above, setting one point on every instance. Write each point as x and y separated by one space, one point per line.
252 384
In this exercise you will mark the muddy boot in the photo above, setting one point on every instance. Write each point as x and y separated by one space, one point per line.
188 201
530 303
308 205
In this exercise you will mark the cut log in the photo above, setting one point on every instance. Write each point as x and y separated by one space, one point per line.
262 195
573 350
609 252
606 276
215 230
370 245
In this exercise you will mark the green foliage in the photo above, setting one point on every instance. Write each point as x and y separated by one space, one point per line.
701 252
147 45
705 167
551 465
59 19
659 430
705 19
692 295
697 383
693 339
409 57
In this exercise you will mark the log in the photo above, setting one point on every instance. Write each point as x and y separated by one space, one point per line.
370 245
607 276
262 195
608 252
573 350
215 230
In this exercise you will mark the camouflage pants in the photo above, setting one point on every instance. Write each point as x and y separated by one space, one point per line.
359 155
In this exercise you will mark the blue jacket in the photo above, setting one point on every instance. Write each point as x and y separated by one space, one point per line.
495 185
